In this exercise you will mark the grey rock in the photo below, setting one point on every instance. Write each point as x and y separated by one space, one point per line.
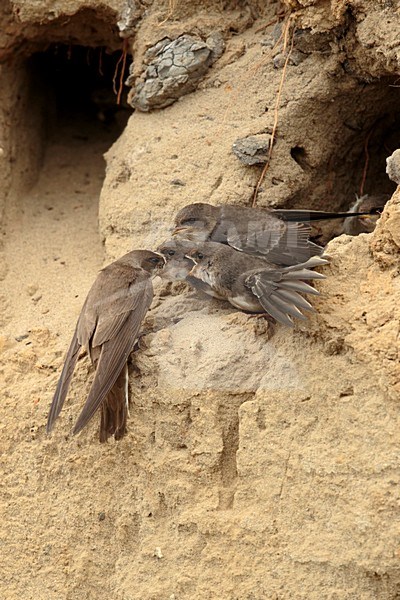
216 43
252 150
393 166
308 41
295 59
174 68
272 38
129 16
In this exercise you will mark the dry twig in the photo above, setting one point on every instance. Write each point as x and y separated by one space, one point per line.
171 8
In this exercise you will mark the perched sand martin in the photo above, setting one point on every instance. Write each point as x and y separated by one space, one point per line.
366 223
280 236
108 327
252 284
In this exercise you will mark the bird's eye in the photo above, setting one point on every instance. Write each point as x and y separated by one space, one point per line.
199 255
155 260
171 252
189 221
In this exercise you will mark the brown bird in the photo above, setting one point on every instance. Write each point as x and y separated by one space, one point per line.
108 327
373 206
178 266
251 284
280 236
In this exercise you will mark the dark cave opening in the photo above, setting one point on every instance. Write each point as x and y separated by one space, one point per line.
372 129
80 85
369 147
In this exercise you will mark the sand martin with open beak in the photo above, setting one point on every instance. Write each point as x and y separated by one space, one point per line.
178 265
253 285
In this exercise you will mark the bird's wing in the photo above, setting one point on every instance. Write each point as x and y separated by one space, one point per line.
278 289
109 300
202 286
280 242
117 339
63 383
306 216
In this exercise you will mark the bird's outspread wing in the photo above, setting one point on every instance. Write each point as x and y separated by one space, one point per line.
278 289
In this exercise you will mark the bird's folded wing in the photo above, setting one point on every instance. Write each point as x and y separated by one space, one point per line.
278 290
279 242
63 383
118 340
109 302
306 216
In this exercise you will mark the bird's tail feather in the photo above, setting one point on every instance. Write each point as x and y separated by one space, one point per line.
278 290
305 216
114 409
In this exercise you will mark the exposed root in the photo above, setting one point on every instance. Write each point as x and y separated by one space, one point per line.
254 70
122 59
100 66
366 163
171 8
277 103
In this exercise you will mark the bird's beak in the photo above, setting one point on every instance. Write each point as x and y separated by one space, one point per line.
179 229
190 258
163 257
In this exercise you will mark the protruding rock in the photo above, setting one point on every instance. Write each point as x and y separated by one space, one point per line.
253 149
129 17
174 69
393 166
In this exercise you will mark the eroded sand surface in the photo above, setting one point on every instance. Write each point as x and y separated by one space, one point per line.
256 466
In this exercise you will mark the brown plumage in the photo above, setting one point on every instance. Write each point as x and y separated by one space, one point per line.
373 206
280 236
254 285
108 328
178 266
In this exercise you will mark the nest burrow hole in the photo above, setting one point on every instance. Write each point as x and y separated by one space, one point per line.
355 132
81 84
68 91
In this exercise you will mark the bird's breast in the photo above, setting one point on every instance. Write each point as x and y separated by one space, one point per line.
176 270
201 272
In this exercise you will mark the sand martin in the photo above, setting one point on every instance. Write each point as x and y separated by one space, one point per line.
108 327
252 284
280 236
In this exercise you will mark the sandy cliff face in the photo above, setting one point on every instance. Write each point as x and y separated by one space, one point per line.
259 464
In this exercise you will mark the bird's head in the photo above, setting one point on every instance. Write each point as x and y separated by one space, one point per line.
196 222
151 261
177 265
205 254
